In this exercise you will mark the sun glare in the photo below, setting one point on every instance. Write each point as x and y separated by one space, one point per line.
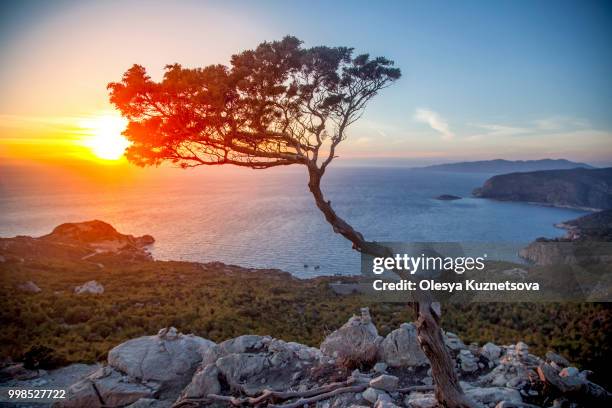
104 136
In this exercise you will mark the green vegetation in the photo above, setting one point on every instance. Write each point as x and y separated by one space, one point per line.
218 302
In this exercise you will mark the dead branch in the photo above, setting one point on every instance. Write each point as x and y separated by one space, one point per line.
305 401
267 395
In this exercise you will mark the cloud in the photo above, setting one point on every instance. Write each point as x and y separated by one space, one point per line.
435 121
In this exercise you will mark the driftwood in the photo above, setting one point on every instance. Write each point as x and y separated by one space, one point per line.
575 387
312 395
304 397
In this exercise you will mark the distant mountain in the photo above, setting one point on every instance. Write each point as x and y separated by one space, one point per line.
500 166
580 188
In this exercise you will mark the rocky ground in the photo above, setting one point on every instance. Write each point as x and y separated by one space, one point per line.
353 367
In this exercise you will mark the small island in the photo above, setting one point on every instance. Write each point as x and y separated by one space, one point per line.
448 197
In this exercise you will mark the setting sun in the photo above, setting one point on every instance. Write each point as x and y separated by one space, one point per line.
104 136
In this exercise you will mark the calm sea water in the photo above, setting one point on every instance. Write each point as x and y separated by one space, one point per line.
268 218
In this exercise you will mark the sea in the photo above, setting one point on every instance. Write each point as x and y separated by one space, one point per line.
267 218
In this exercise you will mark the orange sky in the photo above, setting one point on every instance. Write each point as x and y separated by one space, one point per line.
58 58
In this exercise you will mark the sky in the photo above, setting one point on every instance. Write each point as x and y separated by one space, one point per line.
481 79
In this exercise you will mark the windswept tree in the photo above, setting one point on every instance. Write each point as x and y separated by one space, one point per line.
277 105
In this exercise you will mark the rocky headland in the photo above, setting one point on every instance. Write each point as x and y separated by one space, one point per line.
587 241
575 188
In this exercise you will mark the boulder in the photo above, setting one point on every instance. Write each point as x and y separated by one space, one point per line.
205 381
401 348
105 388
168 358
264 363
92 287
29 286
355 343
491 351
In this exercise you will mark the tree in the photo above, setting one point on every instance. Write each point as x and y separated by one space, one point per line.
277 105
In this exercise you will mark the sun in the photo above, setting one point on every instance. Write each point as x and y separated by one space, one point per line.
103 136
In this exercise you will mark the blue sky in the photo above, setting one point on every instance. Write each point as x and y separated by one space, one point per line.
481 79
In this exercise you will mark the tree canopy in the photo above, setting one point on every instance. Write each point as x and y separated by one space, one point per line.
276 105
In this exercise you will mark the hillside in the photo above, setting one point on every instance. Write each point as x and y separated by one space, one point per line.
579 188
218 301
500 166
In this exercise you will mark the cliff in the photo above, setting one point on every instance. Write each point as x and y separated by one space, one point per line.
588 241
579 188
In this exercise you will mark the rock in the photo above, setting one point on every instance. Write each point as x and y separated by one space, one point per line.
385 403
205 381
420 400
92 287
266 363
511 372
385 382
569 372
105 388
493 395
372 394
559 360
453 342
401 348
467 361
522 349
17 372
447 197
427 380
491 351
380 367
29 286
355 343
169 358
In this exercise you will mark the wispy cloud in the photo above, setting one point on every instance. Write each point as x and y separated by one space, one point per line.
435 121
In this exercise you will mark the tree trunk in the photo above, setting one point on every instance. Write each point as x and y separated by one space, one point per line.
448 391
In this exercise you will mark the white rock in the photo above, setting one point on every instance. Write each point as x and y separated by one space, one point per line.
356 342
491 351
92 287
29 286
169 358
385 382
401 348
